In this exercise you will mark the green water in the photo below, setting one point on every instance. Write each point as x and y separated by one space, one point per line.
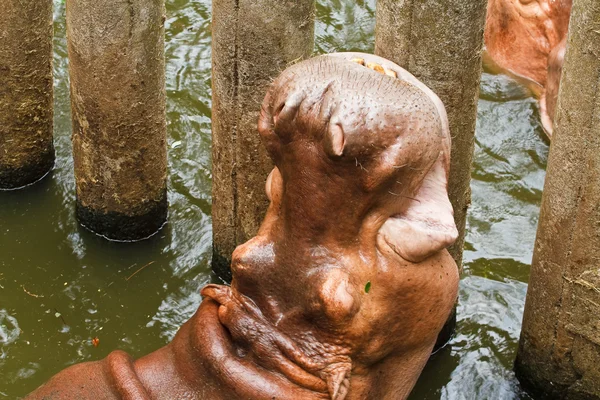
61 286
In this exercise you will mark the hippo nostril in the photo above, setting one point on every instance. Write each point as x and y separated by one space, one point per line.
278 113
285 116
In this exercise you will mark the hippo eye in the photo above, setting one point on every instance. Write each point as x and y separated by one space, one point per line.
530 9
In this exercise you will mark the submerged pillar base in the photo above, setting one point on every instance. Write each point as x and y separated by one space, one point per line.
18 177
545 380
123 227
532 381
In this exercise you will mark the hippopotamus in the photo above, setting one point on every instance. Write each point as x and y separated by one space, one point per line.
343 291
527 39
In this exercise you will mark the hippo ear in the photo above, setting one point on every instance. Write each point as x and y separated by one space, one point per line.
427 225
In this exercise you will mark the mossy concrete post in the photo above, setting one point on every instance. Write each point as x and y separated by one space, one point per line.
440 42
559 350
253 42
26 102
117 71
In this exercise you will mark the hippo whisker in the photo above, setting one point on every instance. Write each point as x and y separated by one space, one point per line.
399 166
361 166
404 197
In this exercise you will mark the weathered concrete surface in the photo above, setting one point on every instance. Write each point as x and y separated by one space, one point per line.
253 42
26 107
559 351
440 42
117 71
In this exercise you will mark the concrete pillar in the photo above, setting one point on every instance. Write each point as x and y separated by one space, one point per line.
117 72
440 42
26 149
253 42
559 351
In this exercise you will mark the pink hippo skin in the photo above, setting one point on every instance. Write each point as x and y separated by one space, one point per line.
527 39
344 290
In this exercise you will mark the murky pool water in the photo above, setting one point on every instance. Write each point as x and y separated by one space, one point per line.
61 286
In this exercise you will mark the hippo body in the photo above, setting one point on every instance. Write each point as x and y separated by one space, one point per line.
526 39
342 293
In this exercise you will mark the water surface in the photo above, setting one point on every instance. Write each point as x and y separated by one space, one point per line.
61 286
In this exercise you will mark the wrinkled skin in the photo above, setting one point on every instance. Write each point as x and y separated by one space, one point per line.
527 39
344 290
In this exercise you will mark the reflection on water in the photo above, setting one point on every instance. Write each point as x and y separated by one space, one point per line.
61 286
9 330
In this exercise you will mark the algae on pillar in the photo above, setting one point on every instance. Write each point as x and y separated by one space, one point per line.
559 350
117 72
440 42
253 42
26 102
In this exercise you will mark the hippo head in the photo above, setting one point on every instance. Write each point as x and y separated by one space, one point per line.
521 34
527 40
347 284
359 152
